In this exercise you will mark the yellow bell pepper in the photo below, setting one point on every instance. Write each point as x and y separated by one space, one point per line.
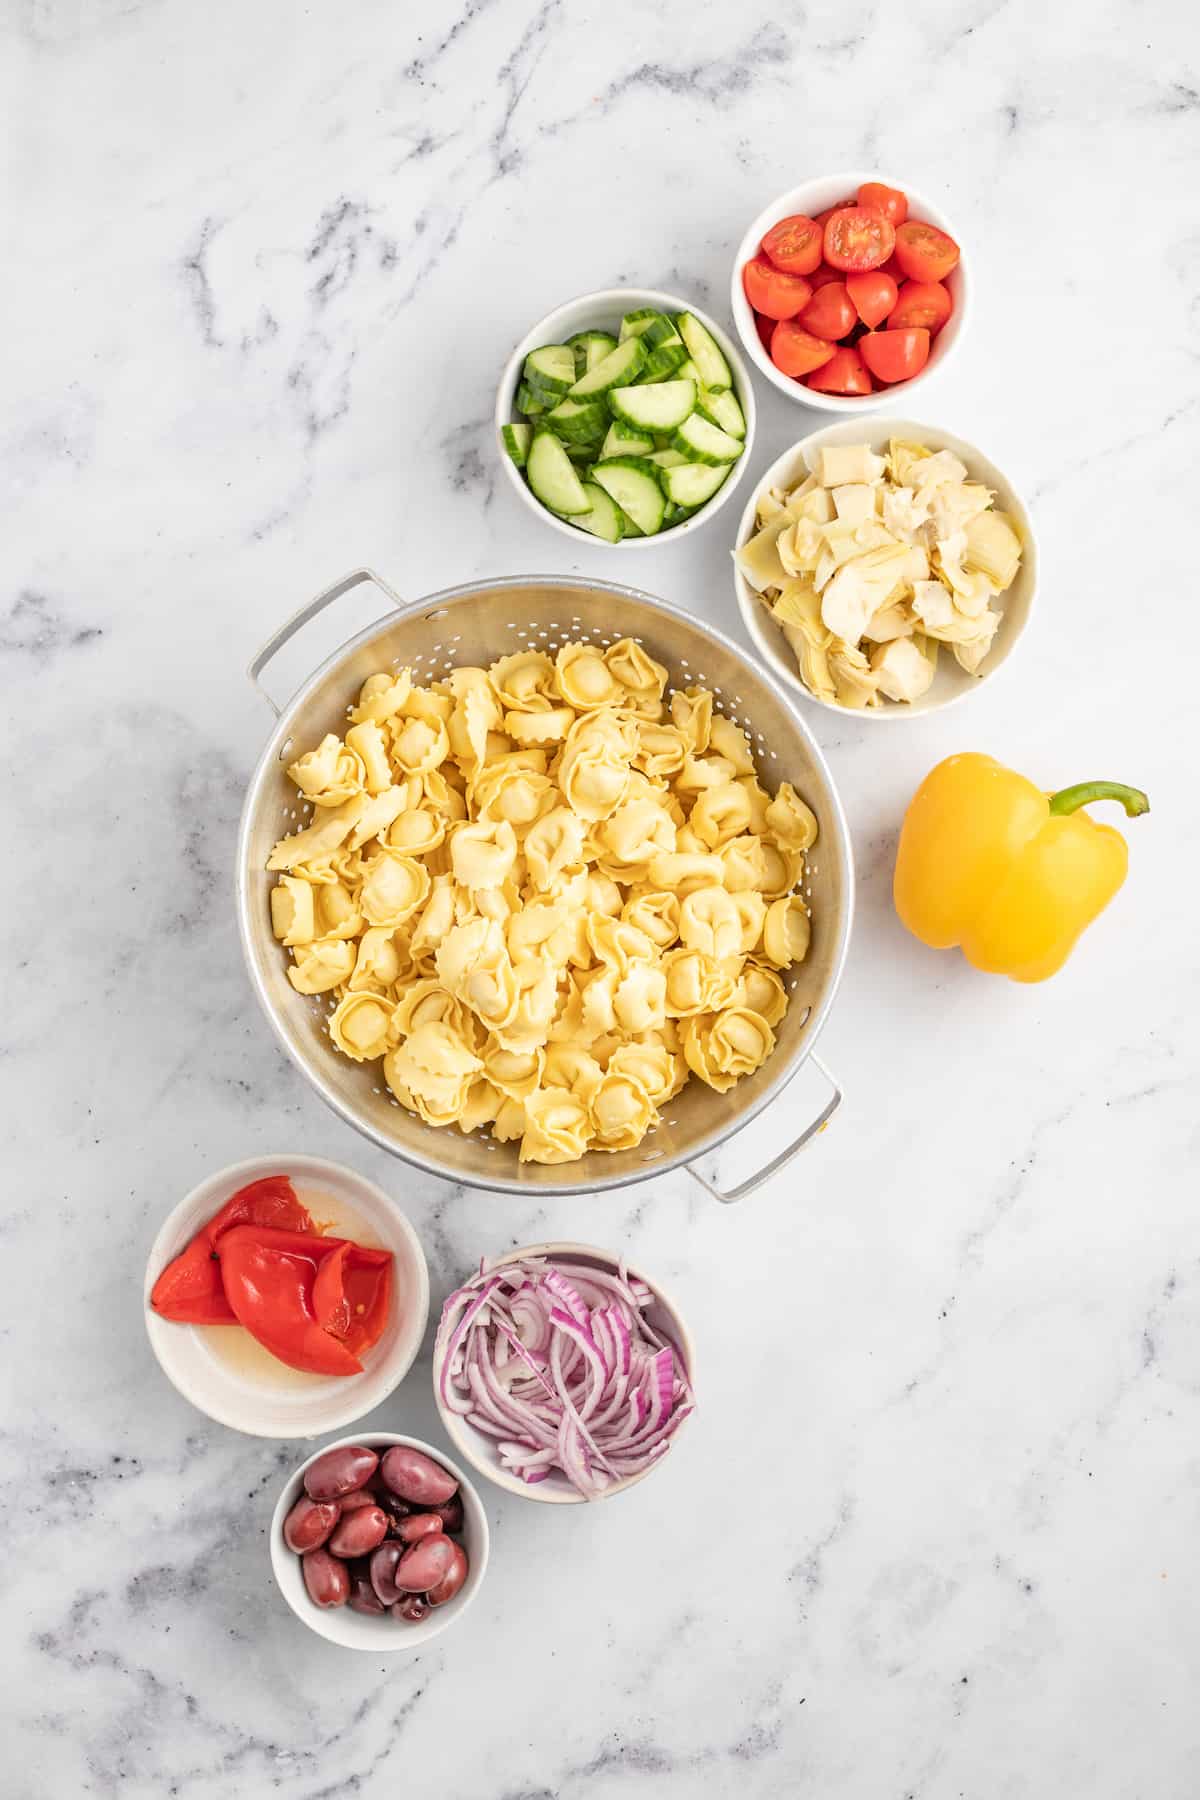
1011 875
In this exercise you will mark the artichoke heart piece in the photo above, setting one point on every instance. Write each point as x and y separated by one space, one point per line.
856 501
839 464
859 588
902 671
842 541
903 459
758 559
855 683
798 603
890 622
993 548
812 660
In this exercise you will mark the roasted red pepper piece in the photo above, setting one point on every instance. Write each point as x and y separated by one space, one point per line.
189 1289
270 1278
352 1293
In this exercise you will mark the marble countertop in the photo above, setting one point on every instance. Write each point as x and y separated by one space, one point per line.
933 1531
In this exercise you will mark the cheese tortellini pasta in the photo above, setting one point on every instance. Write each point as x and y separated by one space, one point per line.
544 895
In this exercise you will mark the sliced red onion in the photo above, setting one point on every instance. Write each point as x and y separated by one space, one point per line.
557 1364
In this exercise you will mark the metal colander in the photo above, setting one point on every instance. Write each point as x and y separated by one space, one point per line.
476 624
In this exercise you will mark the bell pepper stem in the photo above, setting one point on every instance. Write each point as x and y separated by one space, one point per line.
1069 800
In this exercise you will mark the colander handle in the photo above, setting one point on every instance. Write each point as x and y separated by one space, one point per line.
728 1195
298 620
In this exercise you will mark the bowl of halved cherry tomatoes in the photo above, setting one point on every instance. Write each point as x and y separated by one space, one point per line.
848 287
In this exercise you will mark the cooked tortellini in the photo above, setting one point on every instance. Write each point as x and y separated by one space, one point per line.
872 561
544 895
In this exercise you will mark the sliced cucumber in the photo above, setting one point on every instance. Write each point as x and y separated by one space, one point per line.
619 366
662 364
590 347
516 442
583 421
675 515
637 323
659 408
531 401
668 459
633 483
552 368
652 327
705 352
702 442
605 519
722 409
552 477
691 486
624 440
687 371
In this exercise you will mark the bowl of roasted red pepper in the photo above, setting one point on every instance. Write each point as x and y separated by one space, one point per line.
848 287
286 1296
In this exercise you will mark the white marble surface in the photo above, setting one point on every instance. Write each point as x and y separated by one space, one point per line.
933 1532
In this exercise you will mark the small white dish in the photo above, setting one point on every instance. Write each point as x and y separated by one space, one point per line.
951 684
603 311
663 1315
221 1369
816 196
379 1633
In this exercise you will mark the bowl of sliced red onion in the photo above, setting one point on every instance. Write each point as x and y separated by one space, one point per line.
561 1373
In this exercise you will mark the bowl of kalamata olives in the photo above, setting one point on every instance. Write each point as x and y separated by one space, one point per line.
379 1543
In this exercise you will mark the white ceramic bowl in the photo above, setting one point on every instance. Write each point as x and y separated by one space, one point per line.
663 1315
951 684
816 196
236 1383
603 311
379 1633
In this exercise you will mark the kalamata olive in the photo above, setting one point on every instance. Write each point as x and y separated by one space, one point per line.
415 1476
393 1505
360 1531
359 1498
452 1580
327 1579
309 1523
411 1608
418 1525
424 1565
363 1598
451 1512
384 1563
339 1472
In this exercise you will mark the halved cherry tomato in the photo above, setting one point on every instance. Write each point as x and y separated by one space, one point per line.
830 313
796 351
925 303
892 267
857 239
892 202
924 252
895 355
823 276
844 373
873 295
773 291
794 245
823 218
764 328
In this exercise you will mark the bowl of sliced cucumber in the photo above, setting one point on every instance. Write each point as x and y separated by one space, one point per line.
625 415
